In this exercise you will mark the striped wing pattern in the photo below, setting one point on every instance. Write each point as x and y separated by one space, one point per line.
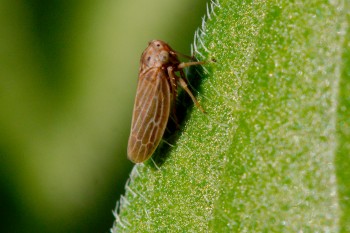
150 116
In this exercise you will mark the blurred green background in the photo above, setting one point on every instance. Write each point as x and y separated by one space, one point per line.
68 75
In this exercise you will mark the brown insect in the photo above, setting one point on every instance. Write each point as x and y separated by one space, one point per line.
156 94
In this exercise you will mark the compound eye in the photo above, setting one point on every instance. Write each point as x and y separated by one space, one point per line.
148 60
164 56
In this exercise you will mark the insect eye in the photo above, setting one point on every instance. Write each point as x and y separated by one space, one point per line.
164 56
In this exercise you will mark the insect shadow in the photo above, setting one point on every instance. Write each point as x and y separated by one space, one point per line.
183 107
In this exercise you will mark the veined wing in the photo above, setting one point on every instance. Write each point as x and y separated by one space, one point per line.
150 116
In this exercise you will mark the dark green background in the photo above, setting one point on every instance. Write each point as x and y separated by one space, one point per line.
68 75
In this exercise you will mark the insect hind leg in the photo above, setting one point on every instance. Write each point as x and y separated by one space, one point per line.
183 84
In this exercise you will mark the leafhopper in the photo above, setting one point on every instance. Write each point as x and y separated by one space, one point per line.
155 96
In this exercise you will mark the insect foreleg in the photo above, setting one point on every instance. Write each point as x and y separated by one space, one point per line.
173 89
192 63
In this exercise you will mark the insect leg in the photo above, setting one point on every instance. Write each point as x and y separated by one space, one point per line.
173 83
183 84
191 63
192 58
173 89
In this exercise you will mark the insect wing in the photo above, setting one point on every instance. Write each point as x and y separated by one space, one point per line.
150 116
